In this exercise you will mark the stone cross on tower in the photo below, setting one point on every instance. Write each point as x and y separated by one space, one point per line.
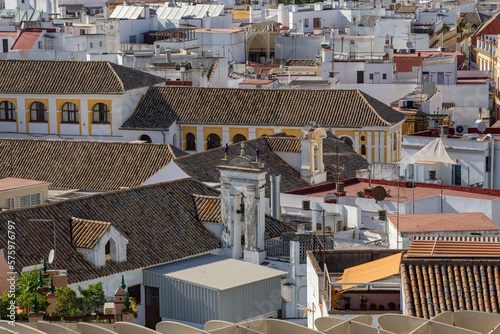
243 180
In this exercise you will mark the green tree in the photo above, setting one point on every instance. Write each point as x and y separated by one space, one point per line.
93 297
67 303
27 286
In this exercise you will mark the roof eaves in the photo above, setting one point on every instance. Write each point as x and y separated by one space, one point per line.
122 85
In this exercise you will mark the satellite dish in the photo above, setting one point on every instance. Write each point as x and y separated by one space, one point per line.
409 45
481 127
51 256
330 198
379 193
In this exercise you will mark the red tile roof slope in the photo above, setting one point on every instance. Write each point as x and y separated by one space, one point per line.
26 40
9 183
442 222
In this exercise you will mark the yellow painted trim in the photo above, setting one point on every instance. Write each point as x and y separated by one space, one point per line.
235 131
29 102
292 132
207 131
58 118
91 118
80 121
261 132
27 118
11 100
188 129
61 102
91 103
111 122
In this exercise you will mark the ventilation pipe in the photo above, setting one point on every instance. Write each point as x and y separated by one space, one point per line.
106 11
275 195
168 54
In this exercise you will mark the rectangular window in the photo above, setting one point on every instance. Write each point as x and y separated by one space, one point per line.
384 76
440 78
100 43
371 76
135 292
361 77
10 203
306 23
132 39
29 200
91 45
5 45
39 44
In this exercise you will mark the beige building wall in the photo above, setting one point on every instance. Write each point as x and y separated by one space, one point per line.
17 194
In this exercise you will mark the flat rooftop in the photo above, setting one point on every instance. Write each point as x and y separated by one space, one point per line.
406 193
10 183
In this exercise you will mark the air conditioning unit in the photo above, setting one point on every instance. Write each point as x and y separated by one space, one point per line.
461 129
339 226
471 136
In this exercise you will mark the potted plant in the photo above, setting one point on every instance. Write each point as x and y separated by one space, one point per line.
363 301
391 306
373 306
347 302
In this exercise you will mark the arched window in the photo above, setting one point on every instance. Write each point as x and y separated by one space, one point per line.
347 140
110 249
101 113
69 113
7 111
190 142
38 112
363 149
239 138
146 138
395 146
213 141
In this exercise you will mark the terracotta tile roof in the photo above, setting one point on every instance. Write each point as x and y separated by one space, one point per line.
87 233
89 165
433 287
256 82
454 246
284 144
406 10
442 222
74 77
208 209
162 106
301 62
203 166
9 183
26 40
161 216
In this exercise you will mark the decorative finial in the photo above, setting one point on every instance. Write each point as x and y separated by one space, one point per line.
52 287
127 302
242 153
257 153
40 280
36 305
123 283
226 149
44 266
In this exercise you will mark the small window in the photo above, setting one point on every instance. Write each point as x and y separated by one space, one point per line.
29 200
10 203
133 39
100 43
39 44
239 138
306 23
7 111
395 142
107 248
91 45
38 112
101 113
363 149
371 76
190 142
384 76
146 138
213 141
69 113
135 292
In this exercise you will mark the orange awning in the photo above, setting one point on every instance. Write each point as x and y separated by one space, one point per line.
371 271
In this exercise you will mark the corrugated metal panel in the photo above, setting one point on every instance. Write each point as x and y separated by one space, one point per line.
250 300
189 302
198 11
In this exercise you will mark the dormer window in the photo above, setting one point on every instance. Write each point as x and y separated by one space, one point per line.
98 241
